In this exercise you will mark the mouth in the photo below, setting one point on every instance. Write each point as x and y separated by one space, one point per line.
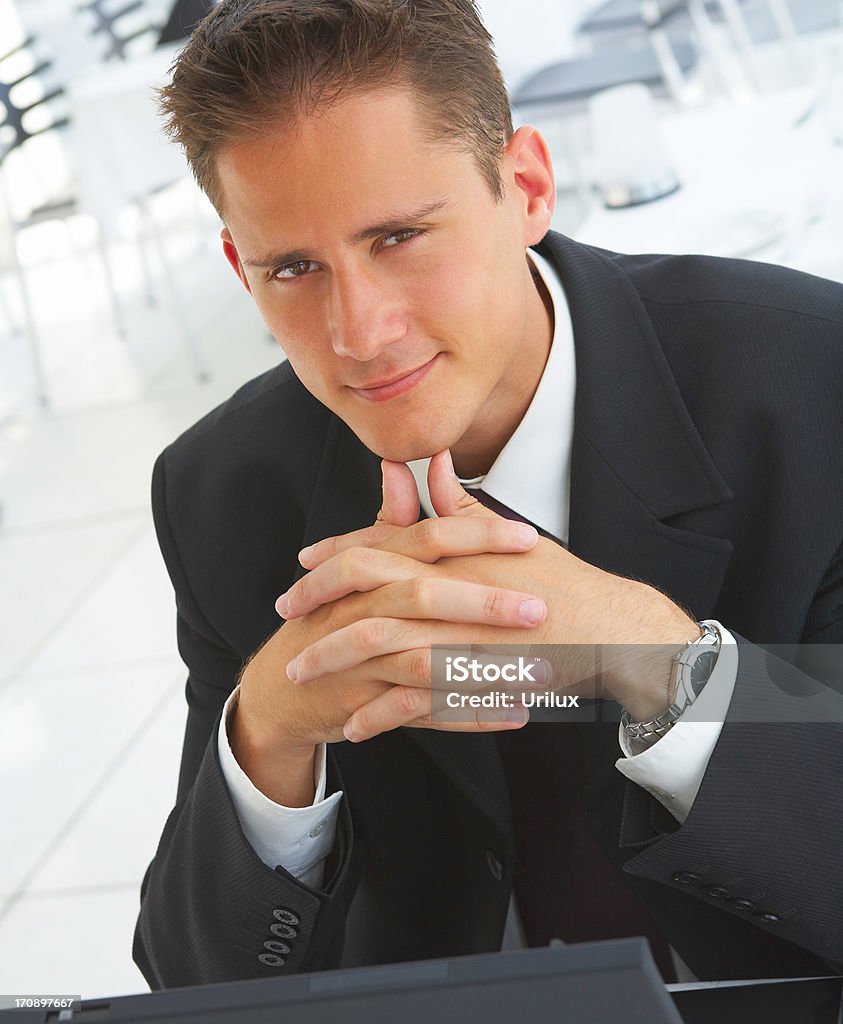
397 386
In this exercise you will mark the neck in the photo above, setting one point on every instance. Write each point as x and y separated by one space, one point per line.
476 451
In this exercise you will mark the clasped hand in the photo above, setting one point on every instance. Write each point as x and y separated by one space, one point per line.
385 594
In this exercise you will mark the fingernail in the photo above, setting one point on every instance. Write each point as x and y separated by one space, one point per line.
282 606
348 732
293 670
527 535
449 462
531 611
517 715
306 554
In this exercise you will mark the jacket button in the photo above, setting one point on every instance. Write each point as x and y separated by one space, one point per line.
495 866
717 892
277 947
768 918
285 916
686 878
283 931
745 905
271 960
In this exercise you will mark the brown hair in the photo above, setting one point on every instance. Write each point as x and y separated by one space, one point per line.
255 64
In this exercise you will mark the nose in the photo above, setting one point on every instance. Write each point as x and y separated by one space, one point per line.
365 315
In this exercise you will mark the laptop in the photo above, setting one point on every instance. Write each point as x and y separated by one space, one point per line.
590 983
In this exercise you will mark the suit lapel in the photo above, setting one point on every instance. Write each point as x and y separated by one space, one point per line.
637 457
347 492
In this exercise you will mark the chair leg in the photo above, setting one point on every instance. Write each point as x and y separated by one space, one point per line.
712 47
741 38
188 337
14 326
116 309
146 269
28 319
32 335
790 40
671 73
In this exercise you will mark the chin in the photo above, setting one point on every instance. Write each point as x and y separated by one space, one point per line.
409 449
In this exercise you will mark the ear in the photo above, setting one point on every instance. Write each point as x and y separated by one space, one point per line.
230 251
528 161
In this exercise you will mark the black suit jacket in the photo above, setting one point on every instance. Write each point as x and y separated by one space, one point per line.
708 461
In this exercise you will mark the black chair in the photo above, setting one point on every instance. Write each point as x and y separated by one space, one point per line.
118 30
572 82
21 71
18 124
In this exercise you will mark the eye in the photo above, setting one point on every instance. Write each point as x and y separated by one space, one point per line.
397 237
292 270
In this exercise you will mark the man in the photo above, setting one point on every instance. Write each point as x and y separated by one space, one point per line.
671 425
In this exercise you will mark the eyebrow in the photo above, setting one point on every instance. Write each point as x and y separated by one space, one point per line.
394 222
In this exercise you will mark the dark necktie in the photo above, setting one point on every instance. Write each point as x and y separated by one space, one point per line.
565 884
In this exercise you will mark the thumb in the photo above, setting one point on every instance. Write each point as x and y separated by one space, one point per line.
400 506
446 492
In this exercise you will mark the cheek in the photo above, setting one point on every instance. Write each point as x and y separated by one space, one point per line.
294 325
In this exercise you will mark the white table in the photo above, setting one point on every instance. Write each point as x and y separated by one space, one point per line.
755 184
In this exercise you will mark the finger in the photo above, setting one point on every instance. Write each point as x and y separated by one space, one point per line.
407 706
431 539
357 569
447 494
400 505
402 593
350 646
415 668
450 601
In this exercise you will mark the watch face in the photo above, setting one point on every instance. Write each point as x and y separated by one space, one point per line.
701 670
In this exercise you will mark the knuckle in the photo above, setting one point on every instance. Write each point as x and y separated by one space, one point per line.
411 702
429 534
422 596
369 634
353 560
419 666
493 605
304 589
377 532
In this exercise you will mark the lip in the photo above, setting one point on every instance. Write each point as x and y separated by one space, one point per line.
398 386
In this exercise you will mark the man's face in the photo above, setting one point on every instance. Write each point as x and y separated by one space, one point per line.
374 254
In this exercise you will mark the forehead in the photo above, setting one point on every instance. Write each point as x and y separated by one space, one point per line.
364 153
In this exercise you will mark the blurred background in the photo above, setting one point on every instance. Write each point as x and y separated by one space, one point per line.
712 126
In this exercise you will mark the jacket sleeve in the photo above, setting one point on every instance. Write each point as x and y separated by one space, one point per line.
764 837
211 910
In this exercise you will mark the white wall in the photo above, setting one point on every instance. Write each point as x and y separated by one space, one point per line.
532 33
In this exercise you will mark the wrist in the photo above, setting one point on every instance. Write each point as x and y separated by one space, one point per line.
640 675
692 667
281 767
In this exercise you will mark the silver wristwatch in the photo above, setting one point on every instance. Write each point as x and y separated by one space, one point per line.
691 670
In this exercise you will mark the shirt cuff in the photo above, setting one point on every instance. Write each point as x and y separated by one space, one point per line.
672 769
296 838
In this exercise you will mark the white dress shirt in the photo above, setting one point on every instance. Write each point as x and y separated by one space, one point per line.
532 476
